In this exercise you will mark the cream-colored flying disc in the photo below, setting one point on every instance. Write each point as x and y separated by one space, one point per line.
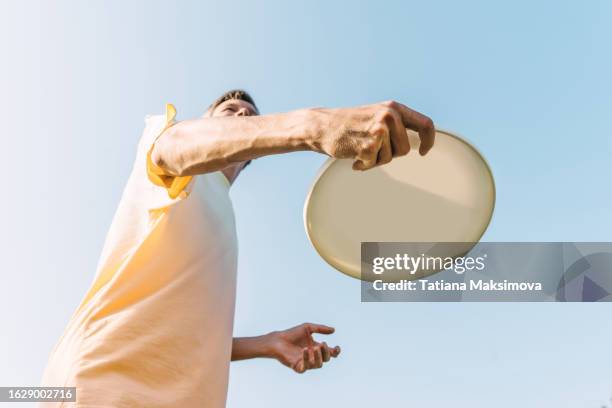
447 195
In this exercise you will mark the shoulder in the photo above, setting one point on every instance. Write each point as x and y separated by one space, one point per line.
153 126
152 120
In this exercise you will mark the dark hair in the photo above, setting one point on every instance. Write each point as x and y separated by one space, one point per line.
239 94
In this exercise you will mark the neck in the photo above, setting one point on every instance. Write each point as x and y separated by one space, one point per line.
231 173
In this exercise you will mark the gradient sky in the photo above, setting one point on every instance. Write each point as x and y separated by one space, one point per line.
529 83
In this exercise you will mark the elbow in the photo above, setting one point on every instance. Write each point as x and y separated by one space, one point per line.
178 153
164 157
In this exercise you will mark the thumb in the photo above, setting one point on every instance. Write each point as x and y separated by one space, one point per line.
358 165
320 328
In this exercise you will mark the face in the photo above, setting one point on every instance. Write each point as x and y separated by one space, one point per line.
233 107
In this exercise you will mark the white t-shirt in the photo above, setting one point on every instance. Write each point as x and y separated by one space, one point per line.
155 328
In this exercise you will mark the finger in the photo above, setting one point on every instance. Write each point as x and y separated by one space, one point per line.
320 328
335 351
400 145
384 154
312 363
325 352
420 123
318 363
366 161
368 153
306 358
299 367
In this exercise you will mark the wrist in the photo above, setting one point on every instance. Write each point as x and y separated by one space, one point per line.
268 343
311 128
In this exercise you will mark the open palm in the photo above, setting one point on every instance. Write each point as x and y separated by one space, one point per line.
297 349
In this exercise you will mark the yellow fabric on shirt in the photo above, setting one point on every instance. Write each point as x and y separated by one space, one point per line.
174 185
155 327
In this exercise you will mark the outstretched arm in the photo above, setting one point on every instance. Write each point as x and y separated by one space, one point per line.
371 135
294 348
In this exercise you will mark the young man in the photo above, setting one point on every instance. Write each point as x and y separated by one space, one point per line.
155 328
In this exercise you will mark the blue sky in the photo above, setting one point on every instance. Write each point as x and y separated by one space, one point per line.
528 83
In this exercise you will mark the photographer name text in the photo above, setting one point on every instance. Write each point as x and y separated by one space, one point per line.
443 286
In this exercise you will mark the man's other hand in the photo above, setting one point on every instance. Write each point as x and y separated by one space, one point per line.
297 349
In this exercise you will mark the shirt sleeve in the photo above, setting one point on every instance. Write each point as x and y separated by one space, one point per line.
164 190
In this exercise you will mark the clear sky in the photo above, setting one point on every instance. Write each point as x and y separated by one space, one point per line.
529 83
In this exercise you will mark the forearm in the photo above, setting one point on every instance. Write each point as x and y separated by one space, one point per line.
209 144
251 347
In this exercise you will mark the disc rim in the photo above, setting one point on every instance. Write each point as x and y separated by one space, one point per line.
330 161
